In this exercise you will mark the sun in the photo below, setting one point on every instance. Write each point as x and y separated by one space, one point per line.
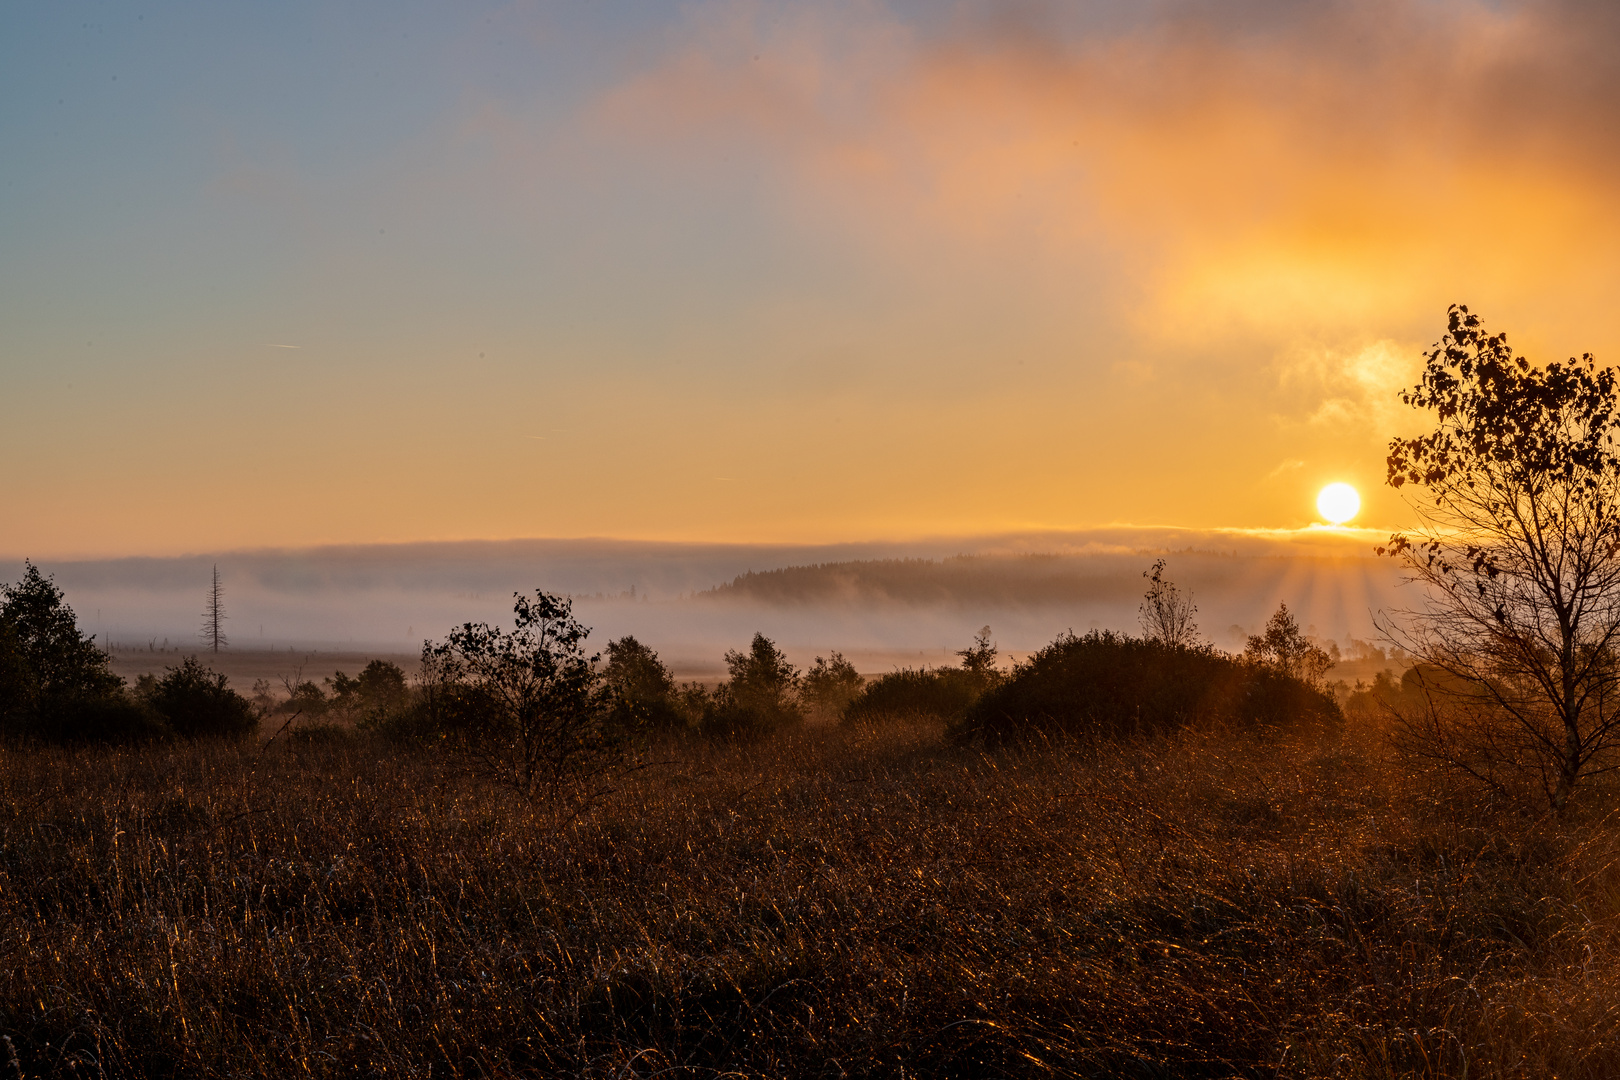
1338 503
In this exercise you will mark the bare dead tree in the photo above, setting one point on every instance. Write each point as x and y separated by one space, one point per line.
1519 554
1165 614
213 627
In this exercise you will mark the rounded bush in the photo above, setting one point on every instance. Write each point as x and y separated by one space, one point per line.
198 703
947 693
1112 686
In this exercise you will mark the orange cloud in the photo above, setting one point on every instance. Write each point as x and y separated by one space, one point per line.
1329 168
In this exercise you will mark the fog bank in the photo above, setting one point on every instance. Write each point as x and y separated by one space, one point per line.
880 603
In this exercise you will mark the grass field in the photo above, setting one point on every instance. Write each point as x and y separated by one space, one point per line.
831 903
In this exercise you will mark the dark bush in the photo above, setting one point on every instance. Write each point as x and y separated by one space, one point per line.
109 719
53 680
307 700
943 692
379 690
1111 685
198 703
641 688
732 717
830 685
427 718
760 698
526 707
946 693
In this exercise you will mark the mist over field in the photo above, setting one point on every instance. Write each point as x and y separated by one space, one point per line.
882 604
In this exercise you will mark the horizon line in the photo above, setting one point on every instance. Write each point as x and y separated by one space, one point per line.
1313 531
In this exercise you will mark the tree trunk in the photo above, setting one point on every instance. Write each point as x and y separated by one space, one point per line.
1569 765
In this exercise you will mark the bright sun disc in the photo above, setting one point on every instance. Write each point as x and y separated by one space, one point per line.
1338 503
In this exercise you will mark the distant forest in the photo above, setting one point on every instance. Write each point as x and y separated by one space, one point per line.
1000 580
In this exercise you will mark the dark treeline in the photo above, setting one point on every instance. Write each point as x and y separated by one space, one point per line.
965 579
508 696
988 582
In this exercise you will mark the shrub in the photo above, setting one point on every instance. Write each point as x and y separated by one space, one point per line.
1284 648
946 693
761 697
527 707
198 703
641 687
306 699
379 689
830 685
1111 685
114 719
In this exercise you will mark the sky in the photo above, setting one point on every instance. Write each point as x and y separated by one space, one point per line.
319 273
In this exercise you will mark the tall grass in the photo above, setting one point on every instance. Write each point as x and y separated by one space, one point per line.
832 902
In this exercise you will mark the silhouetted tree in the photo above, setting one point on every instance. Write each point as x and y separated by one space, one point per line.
760 697
831 684
1281 646
980 657
1165 614
380 688
762 677
1519 551
642 688
213 627
527 705
48 670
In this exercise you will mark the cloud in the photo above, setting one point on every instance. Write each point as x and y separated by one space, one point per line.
1254 170
899 269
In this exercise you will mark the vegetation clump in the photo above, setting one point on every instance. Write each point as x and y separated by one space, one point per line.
57 686
526 706
830 685
1108 685
642 690
760 697
380 690
195 702
943 693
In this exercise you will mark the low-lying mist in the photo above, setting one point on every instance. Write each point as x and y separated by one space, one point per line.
882 604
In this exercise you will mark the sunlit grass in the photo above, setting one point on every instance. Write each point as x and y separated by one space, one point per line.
831 902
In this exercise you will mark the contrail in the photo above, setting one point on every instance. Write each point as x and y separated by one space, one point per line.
270 345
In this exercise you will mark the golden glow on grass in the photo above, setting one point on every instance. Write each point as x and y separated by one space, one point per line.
1338 503
713 880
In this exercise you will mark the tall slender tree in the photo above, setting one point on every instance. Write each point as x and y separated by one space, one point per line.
213 627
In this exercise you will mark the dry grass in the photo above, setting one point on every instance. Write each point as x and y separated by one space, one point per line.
832 903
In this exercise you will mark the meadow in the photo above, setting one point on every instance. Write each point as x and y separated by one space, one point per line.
870 900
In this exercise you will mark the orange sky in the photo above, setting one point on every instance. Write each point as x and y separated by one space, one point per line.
808 272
